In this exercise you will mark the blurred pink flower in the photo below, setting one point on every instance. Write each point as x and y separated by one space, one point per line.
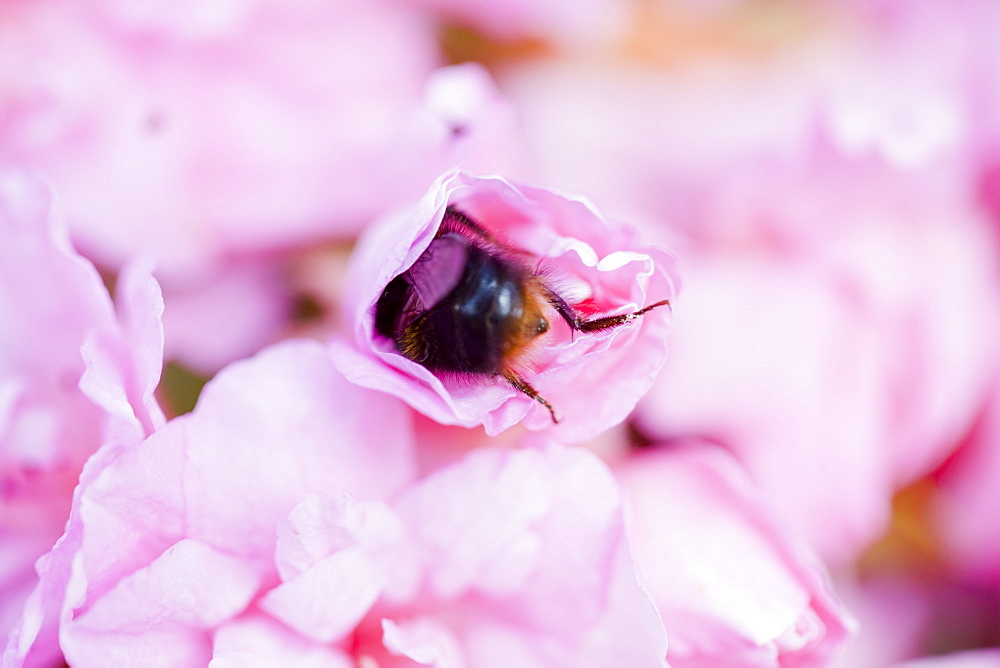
241 127
731 585
72 374
601 266
219 141
837 327
213 140
831 359
284 518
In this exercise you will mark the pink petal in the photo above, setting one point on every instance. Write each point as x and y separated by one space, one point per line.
286 415
327 601
320 526
529 544
123 369
728 582
189 587
438 271
257 641
475 521
425 640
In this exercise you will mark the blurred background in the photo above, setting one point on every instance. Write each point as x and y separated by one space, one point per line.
828 174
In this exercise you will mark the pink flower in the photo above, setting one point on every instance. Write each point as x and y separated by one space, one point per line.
214 139
248 126
284 518
220 142
72 374
731 585
829 357
837 327
592 379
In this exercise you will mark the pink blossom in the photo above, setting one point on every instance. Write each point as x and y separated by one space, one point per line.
732 586
284 518
873 387
836 330
242 127
605 266
209 138
232 136
72 374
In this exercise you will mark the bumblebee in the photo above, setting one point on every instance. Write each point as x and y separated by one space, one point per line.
472 305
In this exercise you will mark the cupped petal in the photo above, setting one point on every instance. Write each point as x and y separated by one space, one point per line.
598 268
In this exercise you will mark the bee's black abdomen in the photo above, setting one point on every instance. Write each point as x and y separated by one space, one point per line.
470 329
474 324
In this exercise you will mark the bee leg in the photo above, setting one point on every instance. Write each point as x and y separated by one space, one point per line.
521 385
612 321
562 308
579 324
